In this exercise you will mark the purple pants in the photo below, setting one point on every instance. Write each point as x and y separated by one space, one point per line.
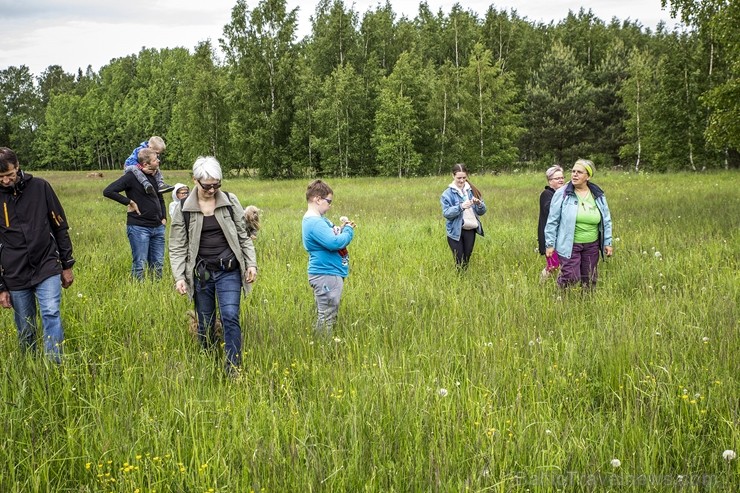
581 266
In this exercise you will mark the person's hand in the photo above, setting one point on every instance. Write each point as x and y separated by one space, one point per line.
181 287
132 207
548 252
345 221
5 300
477 201
608 251
467 204
68 278
250 275
164 221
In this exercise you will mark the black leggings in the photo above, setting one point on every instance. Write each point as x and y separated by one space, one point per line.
463 248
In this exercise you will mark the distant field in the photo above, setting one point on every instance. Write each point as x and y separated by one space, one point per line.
434 381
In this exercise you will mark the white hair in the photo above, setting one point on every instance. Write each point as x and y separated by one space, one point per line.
206 168
552 170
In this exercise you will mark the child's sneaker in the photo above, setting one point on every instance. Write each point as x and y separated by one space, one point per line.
149 189
166 188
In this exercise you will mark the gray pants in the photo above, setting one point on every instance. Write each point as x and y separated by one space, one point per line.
327 290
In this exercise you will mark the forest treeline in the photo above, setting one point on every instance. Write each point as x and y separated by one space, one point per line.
375 94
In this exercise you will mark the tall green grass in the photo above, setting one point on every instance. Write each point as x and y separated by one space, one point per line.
433 381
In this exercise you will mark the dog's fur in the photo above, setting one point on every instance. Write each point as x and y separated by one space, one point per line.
252 216
193 326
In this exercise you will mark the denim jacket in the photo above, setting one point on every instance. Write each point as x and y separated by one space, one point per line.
451 201
561 222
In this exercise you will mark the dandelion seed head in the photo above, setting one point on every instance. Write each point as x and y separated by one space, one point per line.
79 295
729 455
705 340
442 392
531 343
616 463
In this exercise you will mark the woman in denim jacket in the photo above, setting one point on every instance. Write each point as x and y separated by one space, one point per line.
578 227
461 206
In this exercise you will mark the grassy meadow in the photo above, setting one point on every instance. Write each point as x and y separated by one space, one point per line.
433 381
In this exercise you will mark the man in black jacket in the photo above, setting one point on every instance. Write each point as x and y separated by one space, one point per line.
146 216
35 255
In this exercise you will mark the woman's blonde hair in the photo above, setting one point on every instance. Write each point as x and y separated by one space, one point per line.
588 164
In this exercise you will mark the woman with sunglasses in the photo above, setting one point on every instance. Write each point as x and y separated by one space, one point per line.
213 258
555 180
579 226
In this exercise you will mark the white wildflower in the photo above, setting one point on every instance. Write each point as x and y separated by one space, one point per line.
616 463
658 254
729 455
442 392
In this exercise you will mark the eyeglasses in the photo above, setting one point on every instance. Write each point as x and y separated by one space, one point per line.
558 178
210 186
328 201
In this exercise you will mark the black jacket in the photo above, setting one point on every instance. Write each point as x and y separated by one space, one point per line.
34 234
545 199
151 206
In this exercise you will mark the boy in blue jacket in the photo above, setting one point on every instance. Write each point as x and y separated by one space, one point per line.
156 144
328 260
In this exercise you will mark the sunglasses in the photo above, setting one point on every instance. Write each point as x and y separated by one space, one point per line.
328 201
211 186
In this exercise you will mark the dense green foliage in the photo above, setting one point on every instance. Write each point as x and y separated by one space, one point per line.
372 94
434 381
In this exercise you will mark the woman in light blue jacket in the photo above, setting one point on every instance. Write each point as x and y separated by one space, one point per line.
579 226
461 206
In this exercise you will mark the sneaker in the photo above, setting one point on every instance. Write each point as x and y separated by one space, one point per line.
148 189
166 188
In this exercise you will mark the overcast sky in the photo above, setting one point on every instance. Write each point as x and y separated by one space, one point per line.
78 33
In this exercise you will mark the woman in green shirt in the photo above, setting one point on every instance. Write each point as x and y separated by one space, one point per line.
578 227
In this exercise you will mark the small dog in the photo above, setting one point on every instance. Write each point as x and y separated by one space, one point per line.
252 216
193 326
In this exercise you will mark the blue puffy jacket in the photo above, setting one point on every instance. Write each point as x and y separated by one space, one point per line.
561 222
451 201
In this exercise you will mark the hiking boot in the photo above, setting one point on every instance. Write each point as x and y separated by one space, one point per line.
149 189
166 188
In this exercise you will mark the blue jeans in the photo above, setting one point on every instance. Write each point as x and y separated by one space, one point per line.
147 248
226 288
49 294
